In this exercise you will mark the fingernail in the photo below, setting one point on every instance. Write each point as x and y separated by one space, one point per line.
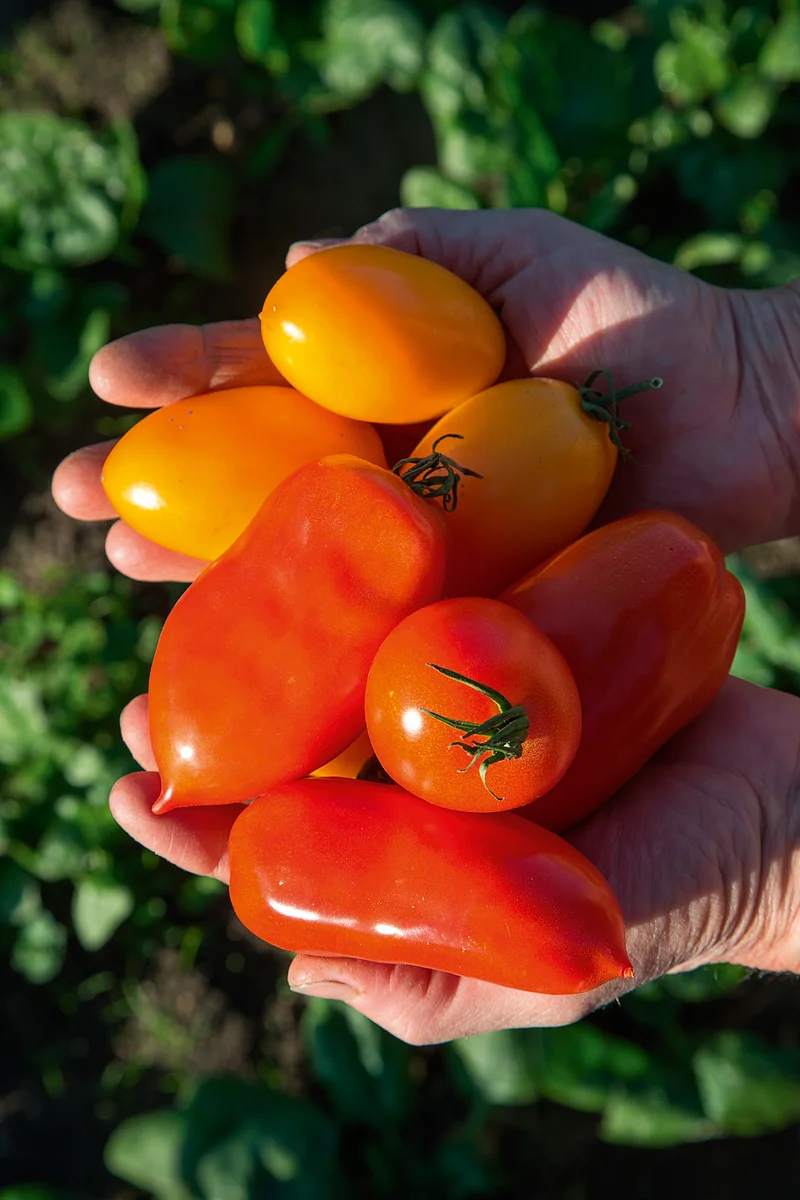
326 989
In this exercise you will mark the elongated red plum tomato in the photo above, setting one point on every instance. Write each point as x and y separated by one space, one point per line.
192 475
379 335
445 672
364 870
648 618
260 670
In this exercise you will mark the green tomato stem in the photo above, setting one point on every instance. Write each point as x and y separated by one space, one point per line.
505 732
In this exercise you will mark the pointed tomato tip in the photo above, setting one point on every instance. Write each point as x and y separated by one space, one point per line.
627 972
164 803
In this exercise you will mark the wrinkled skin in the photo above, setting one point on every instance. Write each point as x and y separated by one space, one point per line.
702 848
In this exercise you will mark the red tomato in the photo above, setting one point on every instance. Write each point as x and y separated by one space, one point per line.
364 870
260 671
648 618
429 730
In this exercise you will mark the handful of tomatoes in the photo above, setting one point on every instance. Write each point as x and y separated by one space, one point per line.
380 663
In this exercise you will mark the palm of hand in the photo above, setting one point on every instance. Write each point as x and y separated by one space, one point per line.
693 846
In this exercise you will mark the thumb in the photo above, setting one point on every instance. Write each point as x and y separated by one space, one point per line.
422 1007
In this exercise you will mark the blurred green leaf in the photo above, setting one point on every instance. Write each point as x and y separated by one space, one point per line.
39 948
770 640
369 42
145 1151
242 1140
200 29
425 187
65 192
498 1066
748 1087
693 67
189 212
364 1070
709 249
780 54
704 983
19 894
16 406
745 108
651 1117
98 909
256 31
580 1065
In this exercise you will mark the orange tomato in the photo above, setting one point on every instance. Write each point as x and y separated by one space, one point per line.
546 466
192 475
347 764
380 335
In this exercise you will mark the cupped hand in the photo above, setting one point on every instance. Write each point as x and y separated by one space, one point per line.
703 847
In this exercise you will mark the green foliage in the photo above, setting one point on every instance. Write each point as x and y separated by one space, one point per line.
235 1140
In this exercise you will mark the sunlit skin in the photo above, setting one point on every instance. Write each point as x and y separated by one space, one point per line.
192 476
648 618
260 670
496 646
545 468
702 847
342 867
381 336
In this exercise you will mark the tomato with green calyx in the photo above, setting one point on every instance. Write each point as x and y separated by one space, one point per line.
545 452
380 335
192 475
365 870
470 706
648 618
260 670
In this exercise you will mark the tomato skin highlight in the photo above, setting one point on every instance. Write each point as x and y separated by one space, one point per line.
546 467
260 671
193 474
495 645
364 870
648 618
380 335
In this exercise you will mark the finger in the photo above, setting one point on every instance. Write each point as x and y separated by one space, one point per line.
76 485
135 728
300 250
195 839
424 1007
141 559
156 366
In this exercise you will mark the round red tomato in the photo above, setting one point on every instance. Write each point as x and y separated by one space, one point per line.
470 706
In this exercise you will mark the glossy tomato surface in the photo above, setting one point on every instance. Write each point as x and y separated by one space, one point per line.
379 335
494 645
364 870
546 467
648 618
260 671
190 476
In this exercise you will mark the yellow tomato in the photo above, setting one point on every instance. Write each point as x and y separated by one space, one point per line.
192 475
546 466
380 335
347 764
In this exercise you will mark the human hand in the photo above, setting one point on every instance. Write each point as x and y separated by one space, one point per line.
702 848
